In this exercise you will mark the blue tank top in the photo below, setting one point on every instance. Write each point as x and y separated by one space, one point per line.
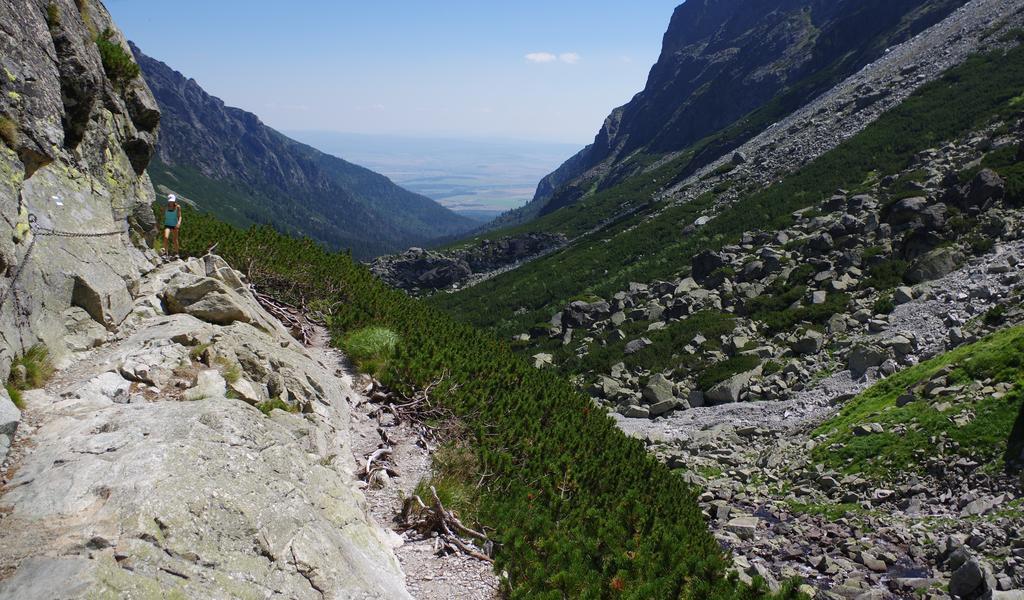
171 217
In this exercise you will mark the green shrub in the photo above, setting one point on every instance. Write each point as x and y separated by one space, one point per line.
118 63
995 316
9 132
885 275
884 305
771 367
267 406
980 244
231 371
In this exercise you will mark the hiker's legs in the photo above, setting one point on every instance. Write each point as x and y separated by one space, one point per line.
167 241
177 246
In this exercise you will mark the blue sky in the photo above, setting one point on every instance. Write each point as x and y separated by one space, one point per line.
534 70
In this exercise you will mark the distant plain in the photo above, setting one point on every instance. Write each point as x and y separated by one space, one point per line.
478 178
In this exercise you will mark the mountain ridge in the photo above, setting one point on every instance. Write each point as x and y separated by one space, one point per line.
261 176
724 74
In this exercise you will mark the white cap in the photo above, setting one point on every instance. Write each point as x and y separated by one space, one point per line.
172 198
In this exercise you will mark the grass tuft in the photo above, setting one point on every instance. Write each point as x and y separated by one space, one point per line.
371 348
231 370
9 132
269 405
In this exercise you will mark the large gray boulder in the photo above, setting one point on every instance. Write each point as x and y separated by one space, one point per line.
986 186
659 389
933 265
584 314
730 390
809 342
971 580
863 357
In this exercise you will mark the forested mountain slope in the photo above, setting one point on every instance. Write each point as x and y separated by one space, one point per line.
228 162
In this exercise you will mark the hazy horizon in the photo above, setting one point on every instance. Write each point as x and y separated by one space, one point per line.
475 176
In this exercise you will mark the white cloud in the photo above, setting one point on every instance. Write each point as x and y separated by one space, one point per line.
541 57
569 57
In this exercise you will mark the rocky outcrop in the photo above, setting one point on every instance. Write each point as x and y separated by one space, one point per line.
145 476
417 270
74 162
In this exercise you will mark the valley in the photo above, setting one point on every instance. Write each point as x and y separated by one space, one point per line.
764 338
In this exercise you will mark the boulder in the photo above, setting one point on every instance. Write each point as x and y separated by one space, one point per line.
543 359
986 186
665 406
903 294
906 211
745 528
863 357
206 298
704 264
635 411
637 345
209 384
729 391
934 264
659 389
584 314
104 296
971 581
809 342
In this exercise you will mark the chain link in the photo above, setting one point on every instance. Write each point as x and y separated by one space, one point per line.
38 232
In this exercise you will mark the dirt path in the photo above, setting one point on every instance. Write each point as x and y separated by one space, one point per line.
427 576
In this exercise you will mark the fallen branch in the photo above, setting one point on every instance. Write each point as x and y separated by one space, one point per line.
436 519
378 470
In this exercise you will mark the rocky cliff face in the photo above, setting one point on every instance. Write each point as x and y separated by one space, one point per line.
228 162
144 469
720 61
72 159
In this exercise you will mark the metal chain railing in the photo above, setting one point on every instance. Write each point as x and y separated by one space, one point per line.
37 232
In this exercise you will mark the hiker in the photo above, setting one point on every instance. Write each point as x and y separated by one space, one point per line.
172 222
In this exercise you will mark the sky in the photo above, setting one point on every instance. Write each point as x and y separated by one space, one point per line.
530 70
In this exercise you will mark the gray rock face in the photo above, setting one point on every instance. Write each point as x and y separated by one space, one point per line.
75 166
418 269
160 491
